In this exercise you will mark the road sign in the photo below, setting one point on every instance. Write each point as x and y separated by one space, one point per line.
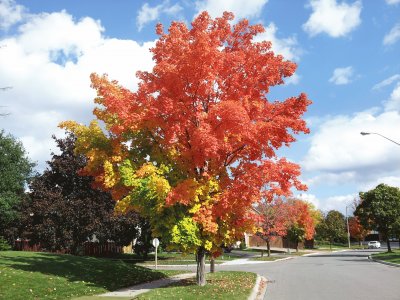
156 242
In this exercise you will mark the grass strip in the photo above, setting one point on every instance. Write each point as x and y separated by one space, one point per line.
392 257
220 285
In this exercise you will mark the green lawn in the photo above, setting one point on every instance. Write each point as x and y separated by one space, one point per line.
220 285
266 258
278 256
170 258
325 246
393 257
31 275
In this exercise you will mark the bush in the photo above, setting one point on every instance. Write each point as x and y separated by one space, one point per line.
4 246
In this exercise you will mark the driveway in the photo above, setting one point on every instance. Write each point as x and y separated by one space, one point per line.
331 276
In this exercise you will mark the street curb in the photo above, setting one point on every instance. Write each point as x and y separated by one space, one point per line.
259 288
383 262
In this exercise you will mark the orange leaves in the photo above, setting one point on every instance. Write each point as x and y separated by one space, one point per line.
301 215
185 193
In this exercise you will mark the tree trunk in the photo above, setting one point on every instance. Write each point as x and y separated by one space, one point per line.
201 266
212 265
269 248
388 244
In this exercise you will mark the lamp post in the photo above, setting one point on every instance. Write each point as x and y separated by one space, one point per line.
367 133
348 229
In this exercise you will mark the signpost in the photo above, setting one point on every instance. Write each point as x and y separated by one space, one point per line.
156 243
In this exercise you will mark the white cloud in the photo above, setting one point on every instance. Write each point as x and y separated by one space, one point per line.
338 203
294 79
386 82
148 14
287 47
241 8
393 103
393 36
333 18
49 74
330 178
339 156
342 75
309 198
389 180
392 2
338 146
10 13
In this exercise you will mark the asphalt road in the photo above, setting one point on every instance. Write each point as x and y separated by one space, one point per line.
333 276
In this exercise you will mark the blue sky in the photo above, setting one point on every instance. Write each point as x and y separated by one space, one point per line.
348 56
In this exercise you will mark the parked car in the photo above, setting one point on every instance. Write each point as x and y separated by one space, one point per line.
374 245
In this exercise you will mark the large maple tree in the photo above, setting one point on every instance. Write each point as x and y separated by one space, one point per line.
194 147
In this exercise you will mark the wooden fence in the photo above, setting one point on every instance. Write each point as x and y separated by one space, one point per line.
88 249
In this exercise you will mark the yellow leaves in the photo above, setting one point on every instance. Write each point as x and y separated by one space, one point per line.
186 234
191 192
123 205
208 245
110 179
195 208
159 186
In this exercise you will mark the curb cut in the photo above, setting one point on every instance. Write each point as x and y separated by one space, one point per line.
281 259
383 262
259 288
311 254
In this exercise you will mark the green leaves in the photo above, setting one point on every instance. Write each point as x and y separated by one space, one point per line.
15 171
380 208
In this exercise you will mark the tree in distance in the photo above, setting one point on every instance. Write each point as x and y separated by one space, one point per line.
332 227
64 210
273 222
193 149
15 172
357 231
301 221
379 210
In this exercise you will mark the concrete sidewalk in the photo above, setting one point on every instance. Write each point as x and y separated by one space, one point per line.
145 287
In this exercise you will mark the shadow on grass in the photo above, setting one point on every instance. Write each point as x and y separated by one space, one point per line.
109 274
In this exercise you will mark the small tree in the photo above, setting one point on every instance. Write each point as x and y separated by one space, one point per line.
273 221
332 227
380 210
301 221
357 231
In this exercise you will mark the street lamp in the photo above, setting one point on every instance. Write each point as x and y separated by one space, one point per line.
367 133
348 229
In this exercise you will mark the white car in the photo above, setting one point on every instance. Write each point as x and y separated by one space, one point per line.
374 245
